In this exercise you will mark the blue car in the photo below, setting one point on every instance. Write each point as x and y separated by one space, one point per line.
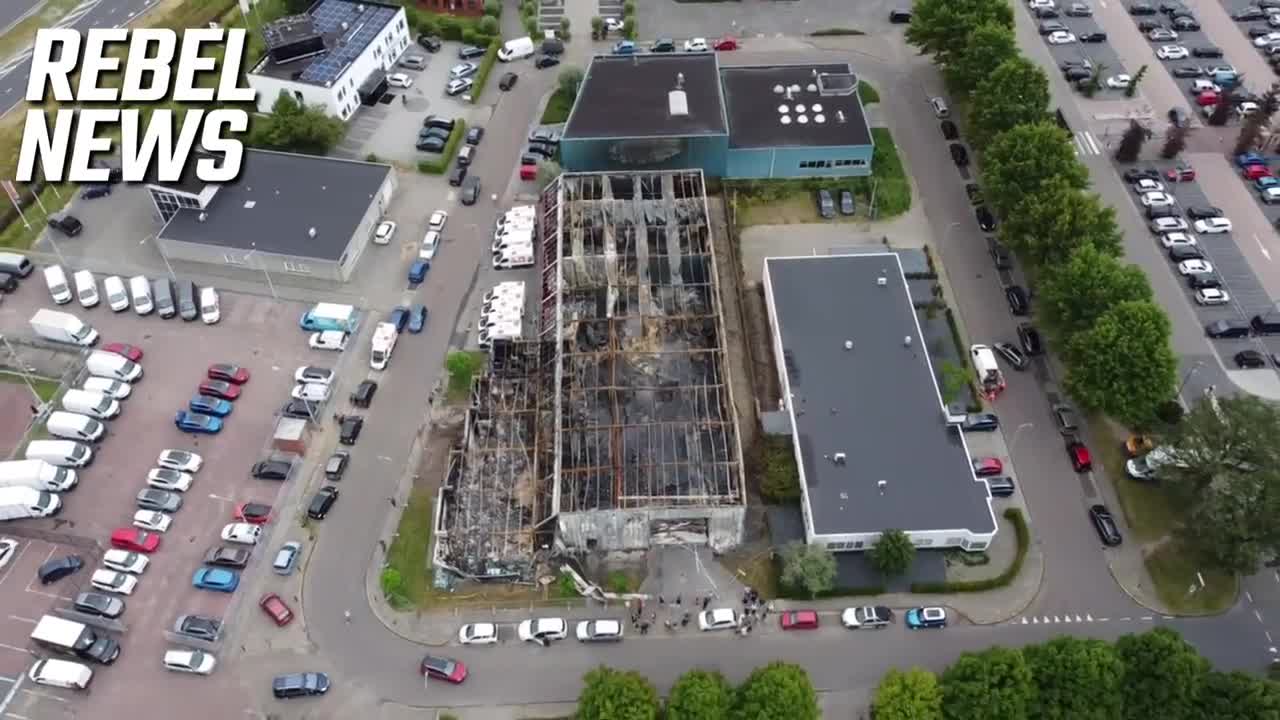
417 318
193 422
399 317
216 579
624 47
1250 158
418 271
926 617
1263 183
209 405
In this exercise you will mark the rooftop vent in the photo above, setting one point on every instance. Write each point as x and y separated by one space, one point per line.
848 344
816 107
784 109
311 232
800 108
248 204
811 87
778 89
789 94
679 81
802 119
882 281
794 88
677 103
882 485
839 458
785 119
840 116
819 118
202 217
345 26
906 341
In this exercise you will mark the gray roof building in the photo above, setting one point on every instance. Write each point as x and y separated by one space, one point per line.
629 96
874 444
825 96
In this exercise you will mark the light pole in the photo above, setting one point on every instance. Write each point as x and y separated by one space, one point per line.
270 286
1199 364
22 370
1014 442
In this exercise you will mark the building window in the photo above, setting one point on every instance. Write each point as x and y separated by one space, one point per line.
955 541
234 259
922 541
296 267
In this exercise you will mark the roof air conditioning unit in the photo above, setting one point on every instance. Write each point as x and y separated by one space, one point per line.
906 341
882 281
838 458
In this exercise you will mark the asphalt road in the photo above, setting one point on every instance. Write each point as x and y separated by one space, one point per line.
14 10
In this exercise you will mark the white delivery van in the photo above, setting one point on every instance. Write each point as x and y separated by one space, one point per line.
62 327
113 366
140 291
107 386
15 264
94 404
63 453
513 258
330 340
56 279
19 503
210 310
507 287
73 638
514 240
37 475
516 49
384 342
502 331
117 296
60 674
86 288
74 426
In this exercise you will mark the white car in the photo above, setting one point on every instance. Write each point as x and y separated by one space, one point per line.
117 297
125 561
1157 199
113 582
8 549
599 631
1245 109
1167 224
478 634
696 45
1270 38
313 374
1212 226
329 340
314 392
399 80
383 234
1040 4
1172 52
1178 239
242 533
1119 82
152 520
190 661
166 479
1212 296
183 460
1060 37
718 619
111 388
1201 85
429 244
1146 185
438 220
543 630
612 24
1274 20
1195 266
870 617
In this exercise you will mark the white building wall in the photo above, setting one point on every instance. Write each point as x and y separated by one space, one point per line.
619 530
364 231
924 539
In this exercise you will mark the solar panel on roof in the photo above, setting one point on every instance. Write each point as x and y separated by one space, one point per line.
362 25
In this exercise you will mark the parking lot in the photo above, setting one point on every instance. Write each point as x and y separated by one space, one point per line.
1099 54
176 357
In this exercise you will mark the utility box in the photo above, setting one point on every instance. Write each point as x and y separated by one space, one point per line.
290 436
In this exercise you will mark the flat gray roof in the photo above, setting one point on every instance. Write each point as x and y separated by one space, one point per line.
626 96
822 106
278 199
876 403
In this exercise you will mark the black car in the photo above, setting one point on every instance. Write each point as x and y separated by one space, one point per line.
899 17
546 151
949 130
430 43
1248 359
826 204
322 502
1019 303
99 604
1046 12
431 145
507 81
986 219
1077 73
301 409
546 61
337 465
1198 281
1178 253
95 191
1092 37
999 254
457 175
299 685
1184 23
434 132
1257 32
436 121
543 136
467 52
1249 13
847 205
663 45
470 190
552 46
198 626
68 225
1029 338
974 192
1206 51
1133 175
227 556
272 469
1168 7
363 394
1001 486
475 135
981 422
1142 8
1105 525
1050 27
1188 71
349 427
1012 355
1227 329
1201 212
531 159
959 155
58 568
1147 26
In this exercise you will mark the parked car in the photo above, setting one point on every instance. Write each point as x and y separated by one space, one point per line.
981 422
183 460
1105 525
135 540
349 427
286 558
986 218
481 633
435 667
271 469
1078 453
1029 337
227 556
1019 303
607 630
255 513
322 502
542 630
162 500
99 604
362 396
870 617
798 620
198 627
299 685
219 389
1250 359
959 155
113 581
826 204
216 579
276 609
987 466
919 618
507 81
228 373
1012 355
58 568
336 465
1000 486
126 350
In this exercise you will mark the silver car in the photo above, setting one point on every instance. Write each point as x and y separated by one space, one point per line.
286 558
461 70
162 500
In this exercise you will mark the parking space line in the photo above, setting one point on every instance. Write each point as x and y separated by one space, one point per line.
49 557
9 571
13 647
22 619
46 696
1265 253
16 716
13 690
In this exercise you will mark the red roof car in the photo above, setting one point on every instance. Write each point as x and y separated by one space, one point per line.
135 539
435 667
275 609
230 373
132 352
253 512
726 43
799 620
1182 173
220 389
987 466
1207 98
1253 172
1081 460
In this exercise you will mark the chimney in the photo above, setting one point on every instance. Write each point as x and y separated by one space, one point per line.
680 81
840 116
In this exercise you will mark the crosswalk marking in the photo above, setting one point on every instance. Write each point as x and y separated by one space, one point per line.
1063 619
1086 143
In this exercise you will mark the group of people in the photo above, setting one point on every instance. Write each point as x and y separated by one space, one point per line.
752 609
678 615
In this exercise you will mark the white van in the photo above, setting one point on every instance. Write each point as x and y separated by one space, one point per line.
56 279
140 290
94 404
117 298
74 426
113 366
63 453
329 340
210 311
61 674
37 475
86 288
513 258
940 108
107 386
15 264
516 49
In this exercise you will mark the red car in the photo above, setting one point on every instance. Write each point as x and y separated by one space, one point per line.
726 43
253 513
135 540
987 466
275 609
799 620
132 352
220 389
1253 172
436 667
1081 460
1207 98
228 372
1182 173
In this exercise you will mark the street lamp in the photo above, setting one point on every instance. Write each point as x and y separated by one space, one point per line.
270 286
1199 364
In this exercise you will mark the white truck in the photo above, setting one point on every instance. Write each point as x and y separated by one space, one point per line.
62 327
502 331
515 49
384 341
990 379
517 214
18 503
37 475
72 638
516 256
516 237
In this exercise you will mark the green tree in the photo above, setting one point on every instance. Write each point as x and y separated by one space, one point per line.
1174 141
1015 93
989 45
910 695
942 28
493 8
488 26
1162 676
1133 84
1214 438
1050 224
296 128
700 695
893 553
1075 679
1242 504
1131 143
1222 109
1076 293
609 694
777 691
1239 695
994 684
569 82
809 568
1124 365
1016 163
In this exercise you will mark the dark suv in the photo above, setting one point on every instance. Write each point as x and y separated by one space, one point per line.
299 685
68 225
363 395
322 502
349 427
271 469
301 409
1105 524
826 205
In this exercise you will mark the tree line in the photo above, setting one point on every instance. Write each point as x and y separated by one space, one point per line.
777 691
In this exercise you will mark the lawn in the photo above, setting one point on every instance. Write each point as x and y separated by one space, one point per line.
462 366
21 237
868 93
22 35
1174 570
558 107
410 550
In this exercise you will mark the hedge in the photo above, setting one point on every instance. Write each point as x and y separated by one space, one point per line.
438 167
486 67
974 405
448 27
1013 515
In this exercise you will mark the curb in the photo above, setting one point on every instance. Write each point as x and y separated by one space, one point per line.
1165 612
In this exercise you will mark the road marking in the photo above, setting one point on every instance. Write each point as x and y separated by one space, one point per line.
13 690
17 558
1087 617
1125 619
1065 618
1248 595
16 716
1257 615
22 619
1104 619
1055 618
13 647
1035 621
1086 144
46 696
1262 247
1146 618
1268 634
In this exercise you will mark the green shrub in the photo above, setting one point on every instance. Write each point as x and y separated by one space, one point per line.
531 25
629 28
438 167
493 8
618 582
629 8
488 25
565 587
1023 533
486 67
